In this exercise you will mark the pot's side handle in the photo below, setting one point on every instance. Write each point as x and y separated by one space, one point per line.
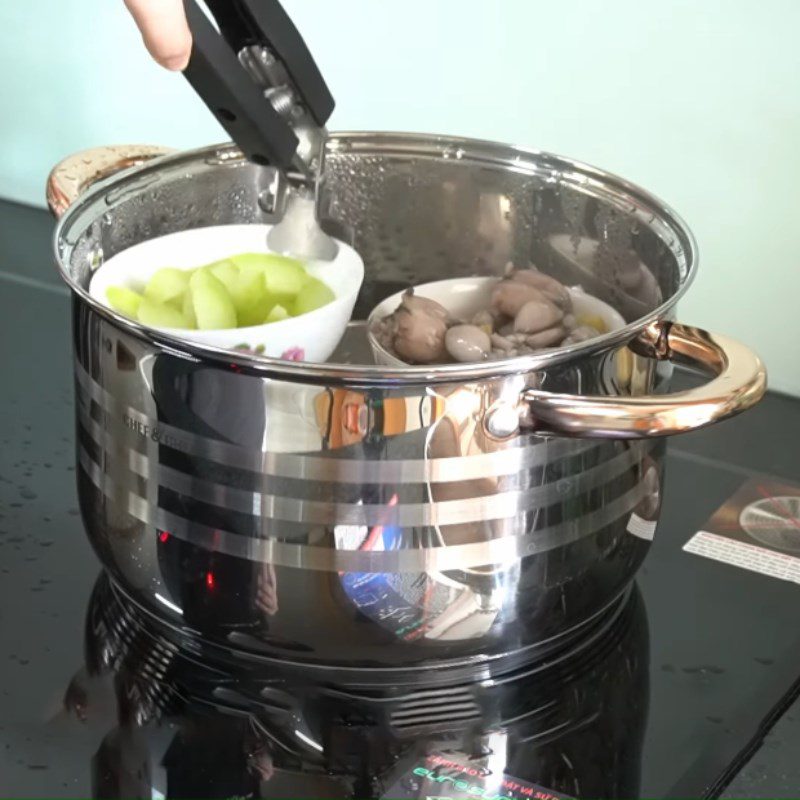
739 383
70 178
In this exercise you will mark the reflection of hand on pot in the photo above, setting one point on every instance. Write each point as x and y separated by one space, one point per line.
650 504
267 590
88 697
259 761
76 697
611 272
622 266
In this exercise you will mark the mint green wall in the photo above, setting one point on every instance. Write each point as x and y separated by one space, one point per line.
698 100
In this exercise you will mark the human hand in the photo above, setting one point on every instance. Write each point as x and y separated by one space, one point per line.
164 30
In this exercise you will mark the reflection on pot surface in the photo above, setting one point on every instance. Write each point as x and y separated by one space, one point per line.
410 536
190 725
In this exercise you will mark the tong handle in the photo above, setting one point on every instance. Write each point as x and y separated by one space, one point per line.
263 134
265 22
217 76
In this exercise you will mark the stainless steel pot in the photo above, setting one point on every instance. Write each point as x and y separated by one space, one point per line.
403 518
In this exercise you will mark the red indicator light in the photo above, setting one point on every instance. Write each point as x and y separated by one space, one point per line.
163 536
210 582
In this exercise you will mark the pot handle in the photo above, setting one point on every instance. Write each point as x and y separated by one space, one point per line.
739 383
70 178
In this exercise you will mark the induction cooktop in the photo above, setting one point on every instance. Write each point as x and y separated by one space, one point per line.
666 699
669 697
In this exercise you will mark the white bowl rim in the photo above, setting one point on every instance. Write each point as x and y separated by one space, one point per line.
201 336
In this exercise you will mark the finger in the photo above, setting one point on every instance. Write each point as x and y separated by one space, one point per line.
164 30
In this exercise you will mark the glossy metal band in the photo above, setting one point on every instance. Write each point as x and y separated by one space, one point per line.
308 467
505 550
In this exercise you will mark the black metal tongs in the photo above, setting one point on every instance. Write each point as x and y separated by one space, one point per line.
258 78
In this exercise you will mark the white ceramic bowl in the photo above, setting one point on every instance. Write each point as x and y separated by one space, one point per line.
465 297
309 337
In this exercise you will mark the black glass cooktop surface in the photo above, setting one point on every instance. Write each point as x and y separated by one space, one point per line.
669 699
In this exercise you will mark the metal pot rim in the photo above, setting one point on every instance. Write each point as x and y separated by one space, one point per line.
555 168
